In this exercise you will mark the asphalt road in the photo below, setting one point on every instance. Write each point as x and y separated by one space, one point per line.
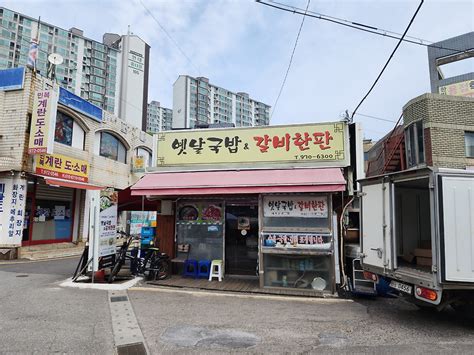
38 316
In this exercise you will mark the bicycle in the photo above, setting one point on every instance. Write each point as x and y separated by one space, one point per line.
154 265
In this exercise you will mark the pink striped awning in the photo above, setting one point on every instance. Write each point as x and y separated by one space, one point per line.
240 182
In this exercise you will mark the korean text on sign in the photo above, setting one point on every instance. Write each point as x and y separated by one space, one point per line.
295 206
43 122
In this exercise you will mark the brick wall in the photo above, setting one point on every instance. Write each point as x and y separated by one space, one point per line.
445 119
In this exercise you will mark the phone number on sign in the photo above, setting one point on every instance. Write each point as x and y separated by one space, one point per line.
317 156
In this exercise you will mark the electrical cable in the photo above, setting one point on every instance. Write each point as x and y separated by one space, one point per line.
389 59
375 117
360 27
169 36
291 61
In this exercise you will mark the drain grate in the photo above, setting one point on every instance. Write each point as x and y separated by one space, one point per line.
131 349
118 299
22 275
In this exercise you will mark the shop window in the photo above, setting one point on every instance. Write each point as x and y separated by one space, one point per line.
200 224
415 150
299 271
469 139
112 148
68 132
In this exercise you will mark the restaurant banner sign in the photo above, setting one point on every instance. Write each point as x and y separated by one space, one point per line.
464 88
301 240
295 206
43 122
61 167
108 221
12 210
316 144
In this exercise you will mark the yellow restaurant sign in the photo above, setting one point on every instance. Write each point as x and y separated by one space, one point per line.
464 88
321 144
62 167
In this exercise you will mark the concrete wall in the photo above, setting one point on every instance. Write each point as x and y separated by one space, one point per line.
180 102
463 42
445 120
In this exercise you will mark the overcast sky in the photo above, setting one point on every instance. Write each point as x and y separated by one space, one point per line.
244 46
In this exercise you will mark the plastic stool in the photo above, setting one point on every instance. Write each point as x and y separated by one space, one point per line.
204 268
190 268
216 270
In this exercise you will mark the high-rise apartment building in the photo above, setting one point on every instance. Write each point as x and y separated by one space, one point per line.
196 102
158 118
112 75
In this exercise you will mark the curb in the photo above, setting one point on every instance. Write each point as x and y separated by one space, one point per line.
206 293
28 261
101 286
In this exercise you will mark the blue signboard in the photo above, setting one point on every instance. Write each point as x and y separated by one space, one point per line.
77 103
12 79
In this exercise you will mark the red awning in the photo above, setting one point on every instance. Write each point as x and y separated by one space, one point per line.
72 184
240 182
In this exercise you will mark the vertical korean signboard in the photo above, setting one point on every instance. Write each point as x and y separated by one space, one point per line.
43 122
107 222
12 210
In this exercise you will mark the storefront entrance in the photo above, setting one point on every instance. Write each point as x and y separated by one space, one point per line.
241 239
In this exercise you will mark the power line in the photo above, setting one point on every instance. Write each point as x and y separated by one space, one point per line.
358 26
169 36
291 61
375 117
389 58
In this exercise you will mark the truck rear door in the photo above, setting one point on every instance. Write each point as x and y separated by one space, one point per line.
376 226
456 211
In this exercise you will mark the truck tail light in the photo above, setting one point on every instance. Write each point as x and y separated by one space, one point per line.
430 295
370 276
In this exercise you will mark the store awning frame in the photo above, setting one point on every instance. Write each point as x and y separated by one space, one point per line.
224 182
72 184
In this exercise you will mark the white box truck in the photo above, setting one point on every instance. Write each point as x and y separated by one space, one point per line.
417 231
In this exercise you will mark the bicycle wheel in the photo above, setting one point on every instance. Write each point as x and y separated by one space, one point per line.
159 269
164 269
117 266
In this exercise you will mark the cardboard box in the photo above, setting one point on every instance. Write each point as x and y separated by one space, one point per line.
424 261
425 244
410 258
425 253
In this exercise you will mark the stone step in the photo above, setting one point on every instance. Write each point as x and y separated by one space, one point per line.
50 246
51 254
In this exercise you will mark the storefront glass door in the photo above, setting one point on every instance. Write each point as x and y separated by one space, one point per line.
241 240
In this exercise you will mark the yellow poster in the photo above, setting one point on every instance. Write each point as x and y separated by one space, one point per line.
62 167
315 144
465 88
138 164
43 122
